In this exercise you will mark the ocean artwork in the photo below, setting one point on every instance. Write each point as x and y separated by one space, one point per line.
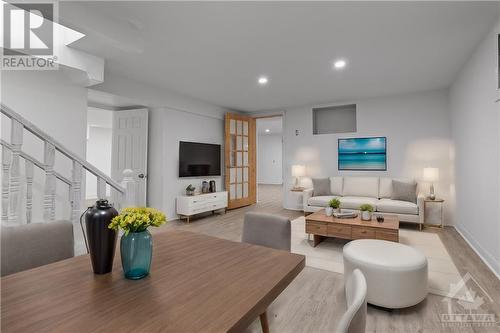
367 154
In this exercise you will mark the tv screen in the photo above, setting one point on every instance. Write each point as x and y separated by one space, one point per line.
199 159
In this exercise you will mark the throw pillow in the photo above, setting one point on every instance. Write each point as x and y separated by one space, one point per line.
404 191
321 186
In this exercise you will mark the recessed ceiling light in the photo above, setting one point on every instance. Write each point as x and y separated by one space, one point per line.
339 64
268 130
263 80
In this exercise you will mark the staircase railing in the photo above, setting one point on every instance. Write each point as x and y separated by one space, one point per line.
122 193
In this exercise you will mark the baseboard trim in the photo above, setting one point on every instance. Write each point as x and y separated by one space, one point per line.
474 245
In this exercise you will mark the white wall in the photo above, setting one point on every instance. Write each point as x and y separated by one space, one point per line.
52 101
418 135
99 138
167 128
475 128
269 156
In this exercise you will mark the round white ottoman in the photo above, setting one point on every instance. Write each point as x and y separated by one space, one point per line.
396 274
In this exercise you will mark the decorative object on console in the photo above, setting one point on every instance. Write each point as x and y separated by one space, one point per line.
431 175
136 245
99 239
204 187
212 187
190 190
362 154
297 172
366 212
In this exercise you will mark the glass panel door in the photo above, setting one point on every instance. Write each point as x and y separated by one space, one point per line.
240 160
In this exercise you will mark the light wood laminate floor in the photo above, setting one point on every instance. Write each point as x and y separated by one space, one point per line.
315 300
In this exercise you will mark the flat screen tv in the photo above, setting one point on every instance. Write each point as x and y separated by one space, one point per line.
362 154
198 159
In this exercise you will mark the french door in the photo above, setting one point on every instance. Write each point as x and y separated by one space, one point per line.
239 160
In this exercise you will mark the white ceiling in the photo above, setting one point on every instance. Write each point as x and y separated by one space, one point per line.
274 125
216 51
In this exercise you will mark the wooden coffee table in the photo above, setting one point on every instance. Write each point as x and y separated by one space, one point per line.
320 225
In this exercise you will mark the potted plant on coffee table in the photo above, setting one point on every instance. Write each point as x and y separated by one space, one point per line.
333 206
366 212
136 244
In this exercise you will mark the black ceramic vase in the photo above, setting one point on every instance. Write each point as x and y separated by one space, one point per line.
101 240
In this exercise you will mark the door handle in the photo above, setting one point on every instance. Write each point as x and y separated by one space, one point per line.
141 175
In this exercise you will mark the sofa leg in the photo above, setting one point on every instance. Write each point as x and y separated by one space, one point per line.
420 226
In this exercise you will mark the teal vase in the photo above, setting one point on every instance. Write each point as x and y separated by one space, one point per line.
136 251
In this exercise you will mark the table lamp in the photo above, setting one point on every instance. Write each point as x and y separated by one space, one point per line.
431 175
297 172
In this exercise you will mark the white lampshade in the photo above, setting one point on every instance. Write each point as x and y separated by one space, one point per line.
431 174
298 171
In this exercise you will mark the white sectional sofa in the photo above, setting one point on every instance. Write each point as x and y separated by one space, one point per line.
355 191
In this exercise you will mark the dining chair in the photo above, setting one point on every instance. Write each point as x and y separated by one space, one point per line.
267 230
37 244
354 319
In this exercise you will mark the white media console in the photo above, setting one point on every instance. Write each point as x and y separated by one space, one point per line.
188 206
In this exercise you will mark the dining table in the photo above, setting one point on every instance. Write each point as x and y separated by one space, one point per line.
197 283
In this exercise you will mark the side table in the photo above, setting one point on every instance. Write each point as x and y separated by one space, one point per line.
433 213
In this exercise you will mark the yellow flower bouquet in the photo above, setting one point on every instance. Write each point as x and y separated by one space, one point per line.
137 219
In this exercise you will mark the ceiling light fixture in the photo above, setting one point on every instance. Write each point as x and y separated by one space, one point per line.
263 80
339 64
268 130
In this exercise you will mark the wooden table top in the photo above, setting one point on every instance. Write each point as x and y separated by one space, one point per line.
390 221
197 283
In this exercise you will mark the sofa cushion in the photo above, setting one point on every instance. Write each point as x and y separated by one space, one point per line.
320 201
397 207
361 186
336 184
405 191
385 189
321 186
355 202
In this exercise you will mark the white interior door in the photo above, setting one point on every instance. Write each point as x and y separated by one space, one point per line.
130 148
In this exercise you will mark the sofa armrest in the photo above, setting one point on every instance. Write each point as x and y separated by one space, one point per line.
420 205
306 195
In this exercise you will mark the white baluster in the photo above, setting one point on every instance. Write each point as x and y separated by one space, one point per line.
49 198
76 187
6 161
15 171
29 189
130 186
117 199
101 188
